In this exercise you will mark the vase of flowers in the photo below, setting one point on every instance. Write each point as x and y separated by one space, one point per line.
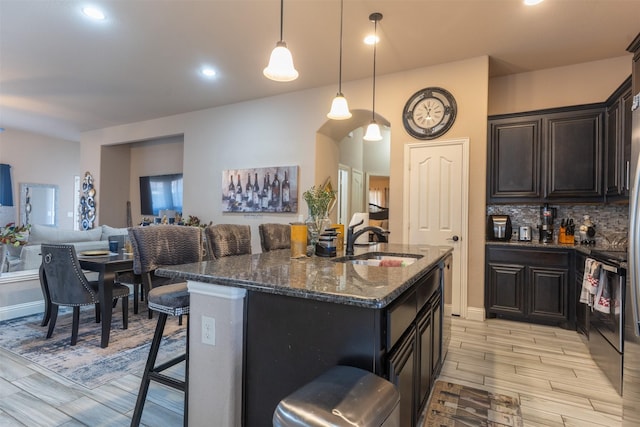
11 235
318 201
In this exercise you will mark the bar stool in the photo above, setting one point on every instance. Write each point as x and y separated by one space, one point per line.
167 300
274 236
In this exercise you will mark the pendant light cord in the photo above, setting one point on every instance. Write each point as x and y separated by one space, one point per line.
281 17
340 70
375 34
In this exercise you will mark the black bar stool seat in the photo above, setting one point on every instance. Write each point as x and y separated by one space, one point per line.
167 300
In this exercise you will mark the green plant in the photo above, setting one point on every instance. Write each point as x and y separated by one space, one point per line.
318 200
13 235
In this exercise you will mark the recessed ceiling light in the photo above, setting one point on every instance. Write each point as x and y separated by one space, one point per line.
532 2
371 39
208 72
93 13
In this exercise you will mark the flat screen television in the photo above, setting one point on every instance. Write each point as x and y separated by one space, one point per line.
160 192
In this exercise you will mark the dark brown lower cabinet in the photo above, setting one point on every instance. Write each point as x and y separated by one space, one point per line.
416 358
401 373
290 341
530 284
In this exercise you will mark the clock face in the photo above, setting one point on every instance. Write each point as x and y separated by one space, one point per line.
429 113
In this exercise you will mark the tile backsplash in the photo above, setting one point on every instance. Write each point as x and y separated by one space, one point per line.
608 219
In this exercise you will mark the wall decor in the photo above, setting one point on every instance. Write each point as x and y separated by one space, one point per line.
87 206
270 189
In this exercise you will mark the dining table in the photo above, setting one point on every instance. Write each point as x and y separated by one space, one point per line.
106 265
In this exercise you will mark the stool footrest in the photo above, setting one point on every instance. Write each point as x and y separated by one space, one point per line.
167 380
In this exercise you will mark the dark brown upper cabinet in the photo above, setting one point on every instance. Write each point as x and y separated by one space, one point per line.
573 146
514 159
618 143
548 155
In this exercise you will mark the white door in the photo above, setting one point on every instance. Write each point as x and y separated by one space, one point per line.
343 194
357 192
436 205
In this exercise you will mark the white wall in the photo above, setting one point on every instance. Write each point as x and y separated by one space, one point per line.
40 159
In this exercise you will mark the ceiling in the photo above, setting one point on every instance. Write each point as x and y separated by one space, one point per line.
61 74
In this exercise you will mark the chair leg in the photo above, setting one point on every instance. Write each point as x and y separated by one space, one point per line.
125 312
151 361
52 319
115 302
74 325
180 320
136 292
97 312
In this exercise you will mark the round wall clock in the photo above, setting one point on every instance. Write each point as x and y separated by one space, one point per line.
429 113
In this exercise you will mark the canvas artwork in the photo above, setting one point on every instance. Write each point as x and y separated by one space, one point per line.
271 189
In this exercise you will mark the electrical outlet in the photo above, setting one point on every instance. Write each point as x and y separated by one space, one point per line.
208 330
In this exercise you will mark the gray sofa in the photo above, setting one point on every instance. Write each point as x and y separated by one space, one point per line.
28 256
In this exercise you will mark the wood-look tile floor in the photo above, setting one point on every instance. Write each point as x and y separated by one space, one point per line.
549 369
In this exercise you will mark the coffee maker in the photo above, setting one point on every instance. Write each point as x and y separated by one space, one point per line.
547 215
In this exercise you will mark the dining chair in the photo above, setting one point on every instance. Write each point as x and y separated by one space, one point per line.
153 247
274 236
128 277
66 285
158 245
228 239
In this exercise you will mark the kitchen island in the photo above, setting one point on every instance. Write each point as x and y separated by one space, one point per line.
273 324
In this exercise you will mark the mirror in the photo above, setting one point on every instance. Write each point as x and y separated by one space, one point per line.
39 204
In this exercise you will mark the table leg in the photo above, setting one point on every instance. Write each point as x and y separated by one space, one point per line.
105 296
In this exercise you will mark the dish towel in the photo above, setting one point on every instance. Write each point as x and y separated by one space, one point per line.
602 301
591 281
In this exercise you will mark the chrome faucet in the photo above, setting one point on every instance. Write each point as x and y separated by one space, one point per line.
351 236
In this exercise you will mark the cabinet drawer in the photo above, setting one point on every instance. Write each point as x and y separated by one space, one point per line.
400 317
428 286
542 256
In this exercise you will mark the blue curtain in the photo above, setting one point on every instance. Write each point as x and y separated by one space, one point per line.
6 189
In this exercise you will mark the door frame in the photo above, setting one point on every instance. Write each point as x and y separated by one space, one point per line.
464 232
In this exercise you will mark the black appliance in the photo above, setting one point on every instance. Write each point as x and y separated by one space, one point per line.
499 227
606 335
547 215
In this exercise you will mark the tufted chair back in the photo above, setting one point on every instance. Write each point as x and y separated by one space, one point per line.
65 279
274 236
158 245
228 239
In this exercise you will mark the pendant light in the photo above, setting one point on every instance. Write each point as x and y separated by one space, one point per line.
373 130
280 68
339 106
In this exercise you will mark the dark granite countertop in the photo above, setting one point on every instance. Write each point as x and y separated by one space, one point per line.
316 277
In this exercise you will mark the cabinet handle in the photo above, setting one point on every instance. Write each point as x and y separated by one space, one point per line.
627 171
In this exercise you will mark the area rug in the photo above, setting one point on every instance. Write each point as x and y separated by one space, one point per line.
454 405
86 363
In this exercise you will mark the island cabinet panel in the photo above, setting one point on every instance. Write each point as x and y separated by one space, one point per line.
419 348
530 284
290 341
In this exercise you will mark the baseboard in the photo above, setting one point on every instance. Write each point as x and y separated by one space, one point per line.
20 310
476 313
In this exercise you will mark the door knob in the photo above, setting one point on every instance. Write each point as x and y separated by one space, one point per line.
454 238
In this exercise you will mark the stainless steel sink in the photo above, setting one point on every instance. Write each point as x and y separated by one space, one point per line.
380 259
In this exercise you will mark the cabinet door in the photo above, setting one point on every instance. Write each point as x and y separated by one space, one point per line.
425 340
548 293
514 159
574 155
613 151
401 374
505 289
